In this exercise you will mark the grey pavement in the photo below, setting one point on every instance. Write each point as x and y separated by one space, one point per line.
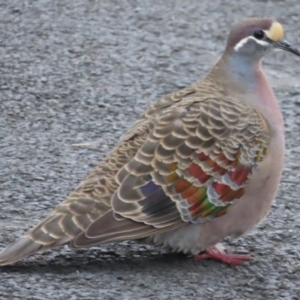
74 75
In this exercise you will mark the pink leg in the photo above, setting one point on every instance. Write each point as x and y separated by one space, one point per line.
219 255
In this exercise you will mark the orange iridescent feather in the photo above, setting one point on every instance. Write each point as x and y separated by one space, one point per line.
196 197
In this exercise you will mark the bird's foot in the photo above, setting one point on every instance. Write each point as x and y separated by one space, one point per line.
219 255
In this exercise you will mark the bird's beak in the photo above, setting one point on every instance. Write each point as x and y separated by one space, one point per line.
284 45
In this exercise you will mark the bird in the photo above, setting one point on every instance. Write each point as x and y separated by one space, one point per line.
199 165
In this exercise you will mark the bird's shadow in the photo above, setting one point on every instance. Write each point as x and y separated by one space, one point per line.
92 261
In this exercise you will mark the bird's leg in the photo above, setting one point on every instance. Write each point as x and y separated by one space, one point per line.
215 253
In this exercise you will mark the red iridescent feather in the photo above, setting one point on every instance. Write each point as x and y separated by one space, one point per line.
200 204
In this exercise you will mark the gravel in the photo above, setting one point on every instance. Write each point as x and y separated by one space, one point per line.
74 76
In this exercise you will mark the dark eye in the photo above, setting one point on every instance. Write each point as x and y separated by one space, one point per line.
259 34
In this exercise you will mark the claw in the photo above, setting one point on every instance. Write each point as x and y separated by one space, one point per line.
219 255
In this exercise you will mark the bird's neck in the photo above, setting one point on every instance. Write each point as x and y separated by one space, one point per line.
238 75
245 80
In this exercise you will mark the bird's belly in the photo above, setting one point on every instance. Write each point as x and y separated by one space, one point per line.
260 193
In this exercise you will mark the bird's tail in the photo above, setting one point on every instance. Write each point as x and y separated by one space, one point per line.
49 233
72 217
22 247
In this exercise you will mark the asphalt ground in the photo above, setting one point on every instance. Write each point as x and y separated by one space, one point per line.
74 75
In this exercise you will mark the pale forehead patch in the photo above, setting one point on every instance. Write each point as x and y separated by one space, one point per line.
242 42
275 33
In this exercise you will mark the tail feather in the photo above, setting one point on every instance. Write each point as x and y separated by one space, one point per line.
22 247
47 234
60 227
26 246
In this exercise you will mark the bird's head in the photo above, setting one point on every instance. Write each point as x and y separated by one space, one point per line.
253 38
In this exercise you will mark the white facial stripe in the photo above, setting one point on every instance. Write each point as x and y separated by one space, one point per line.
242 42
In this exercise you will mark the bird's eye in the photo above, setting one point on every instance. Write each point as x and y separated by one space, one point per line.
259 34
